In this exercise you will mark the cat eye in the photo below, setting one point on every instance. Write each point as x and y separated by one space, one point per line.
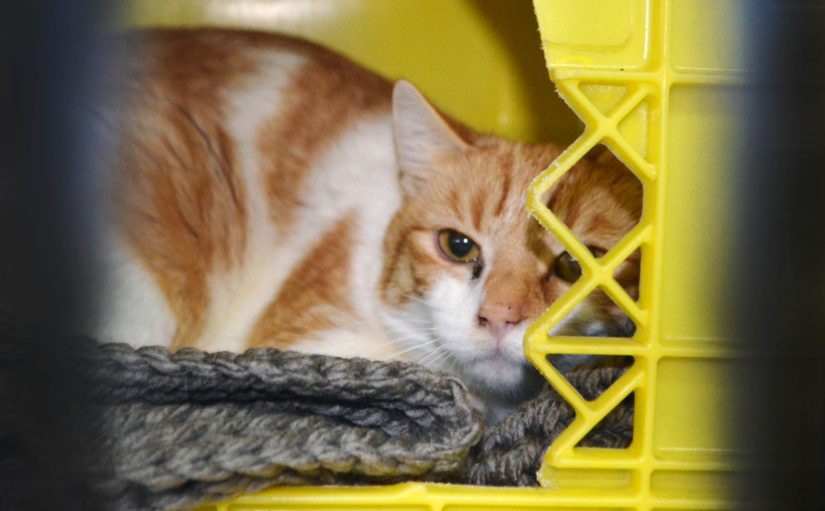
568 268
457 246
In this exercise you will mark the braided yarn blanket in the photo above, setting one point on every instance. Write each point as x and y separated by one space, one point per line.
186 427
190 427
176 430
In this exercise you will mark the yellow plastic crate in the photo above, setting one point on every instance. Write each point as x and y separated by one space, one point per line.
660 82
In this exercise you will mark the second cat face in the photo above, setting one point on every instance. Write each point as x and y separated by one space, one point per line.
466 270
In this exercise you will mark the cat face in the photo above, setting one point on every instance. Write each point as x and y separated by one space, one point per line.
466 270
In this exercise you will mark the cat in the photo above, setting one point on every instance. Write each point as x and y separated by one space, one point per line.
264 191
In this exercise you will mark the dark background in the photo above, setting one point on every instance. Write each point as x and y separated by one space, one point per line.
781 285
45 75
47 72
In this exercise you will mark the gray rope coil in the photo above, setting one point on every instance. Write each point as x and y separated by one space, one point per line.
510 454
175 430
190 426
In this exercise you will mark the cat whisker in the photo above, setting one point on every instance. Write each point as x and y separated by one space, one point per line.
402 340
414 334
416 347
431 356
402 343
416 299
418 322
425 329
437 362
448 355
423 302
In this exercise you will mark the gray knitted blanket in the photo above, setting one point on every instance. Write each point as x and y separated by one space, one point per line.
190 427
185 427
175 430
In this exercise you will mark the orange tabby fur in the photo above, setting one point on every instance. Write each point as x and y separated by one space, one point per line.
268 192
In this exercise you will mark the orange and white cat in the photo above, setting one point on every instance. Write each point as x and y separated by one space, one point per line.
264 191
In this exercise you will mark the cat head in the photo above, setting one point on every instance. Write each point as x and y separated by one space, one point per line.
467 270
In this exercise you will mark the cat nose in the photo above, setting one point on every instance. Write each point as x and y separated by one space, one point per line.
500 318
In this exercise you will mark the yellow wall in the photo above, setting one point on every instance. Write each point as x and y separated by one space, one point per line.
480 60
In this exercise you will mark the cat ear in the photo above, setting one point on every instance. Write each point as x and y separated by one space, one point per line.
422 136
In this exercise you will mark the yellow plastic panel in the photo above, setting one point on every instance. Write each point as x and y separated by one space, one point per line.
691 393
702 42
697 248
668 108
634 128
676 484
594 33
479 60
421 497
603 96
